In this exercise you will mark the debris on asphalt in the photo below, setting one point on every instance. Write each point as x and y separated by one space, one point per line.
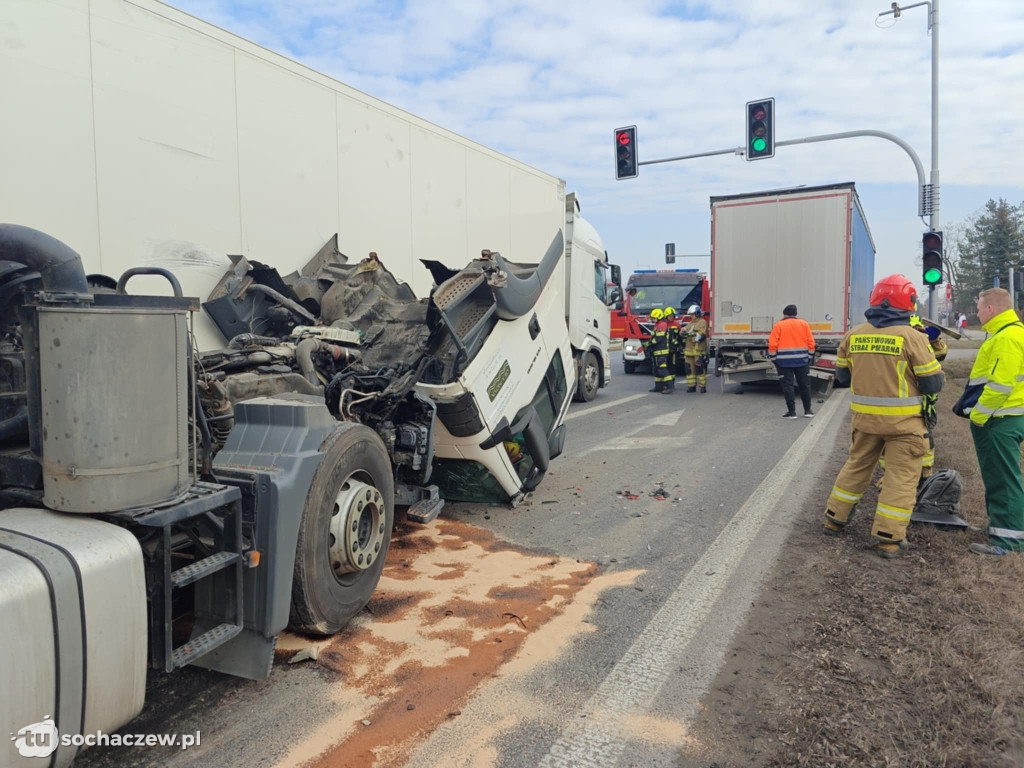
309 653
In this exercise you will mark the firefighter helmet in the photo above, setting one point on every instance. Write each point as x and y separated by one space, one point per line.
668 312
694 310
657 314
894 291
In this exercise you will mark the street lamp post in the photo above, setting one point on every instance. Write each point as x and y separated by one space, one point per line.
932 192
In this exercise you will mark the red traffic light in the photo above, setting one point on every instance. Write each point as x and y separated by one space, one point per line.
932 241
626 163
758 113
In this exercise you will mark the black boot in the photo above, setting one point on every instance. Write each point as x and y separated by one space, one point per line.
704 389
691 389
657 388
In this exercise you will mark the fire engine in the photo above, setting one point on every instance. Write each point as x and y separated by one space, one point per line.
648 289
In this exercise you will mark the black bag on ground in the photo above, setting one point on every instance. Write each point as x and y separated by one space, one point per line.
940 493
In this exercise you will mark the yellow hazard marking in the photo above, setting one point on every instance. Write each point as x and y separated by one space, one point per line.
863 343
820 326
737 326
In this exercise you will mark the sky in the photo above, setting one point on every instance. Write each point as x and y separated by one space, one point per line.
547 83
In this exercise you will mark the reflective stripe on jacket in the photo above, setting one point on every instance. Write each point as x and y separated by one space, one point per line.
999 366
791 343
888 370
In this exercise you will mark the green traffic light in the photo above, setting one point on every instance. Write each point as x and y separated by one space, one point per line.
759 144
932 277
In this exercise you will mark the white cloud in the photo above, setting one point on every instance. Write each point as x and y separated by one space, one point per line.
547 82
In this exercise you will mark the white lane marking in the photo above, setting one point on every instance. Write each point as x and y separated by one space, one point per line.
595 736
603 406
618 443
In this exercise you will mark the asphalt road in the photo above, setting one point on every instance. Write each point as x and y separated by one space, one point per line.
616 681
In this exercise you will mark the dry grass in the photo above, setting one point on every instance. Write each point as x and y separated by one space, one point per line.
849 660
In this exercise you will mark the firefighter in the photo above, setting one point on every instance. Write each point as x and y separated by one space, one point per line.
675 342
696 352
659 344
940 350
890 368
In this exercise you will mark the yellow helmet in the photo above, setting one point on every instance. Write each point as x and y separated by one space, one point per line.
657 314
669 311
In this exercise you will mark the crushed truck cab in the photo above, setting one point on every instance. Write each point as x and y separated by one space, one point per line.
228 494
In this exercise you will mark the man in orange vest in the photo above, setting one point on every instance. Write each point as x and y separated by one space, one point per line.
791 347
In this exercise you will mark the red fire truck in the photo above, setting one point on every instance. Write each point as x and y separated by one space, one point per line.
648 289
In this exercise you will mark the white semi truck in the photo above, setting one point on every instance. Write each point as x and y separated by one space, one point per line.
144 136
179 485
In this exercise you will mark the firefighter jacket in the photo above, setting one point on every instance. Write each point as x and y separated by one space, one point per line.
889 366
660 343
791 344
675 341
696 328
999 370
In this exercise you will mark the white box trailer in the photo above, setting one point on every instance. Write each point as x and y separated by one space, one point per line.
808 246
145 136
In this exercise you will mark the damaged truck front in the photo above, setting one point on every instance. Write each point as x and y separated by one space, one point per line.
466 389
199 503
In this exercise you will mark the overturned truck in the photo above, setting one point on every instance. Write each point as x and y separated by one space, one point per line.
164 507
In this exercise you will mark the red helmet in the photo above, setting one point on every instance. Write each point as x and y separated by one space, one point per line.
894 291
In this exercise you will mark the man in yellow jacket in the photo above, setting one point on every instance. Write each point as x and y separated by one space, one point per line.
890 369
997 421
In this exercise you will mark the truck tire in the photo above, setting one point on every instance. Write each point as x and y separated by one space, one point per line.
345 531
629 366
589 379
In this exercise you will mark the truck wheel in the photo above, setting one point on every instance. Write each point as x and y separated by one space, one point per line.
629 366
589 380
344 533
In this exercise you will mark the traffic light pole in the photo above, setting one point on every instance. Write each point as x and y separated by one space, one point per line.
933 187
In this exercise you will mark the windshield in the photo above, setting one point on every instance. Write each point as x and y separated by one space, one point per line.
647 297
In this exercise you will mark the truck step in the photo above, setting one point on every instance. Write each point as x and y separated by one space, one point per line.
425 511
203 644
203 568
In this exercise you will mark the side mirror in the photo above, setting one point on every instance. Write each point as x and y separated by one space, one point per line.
617 305
616 274
615 296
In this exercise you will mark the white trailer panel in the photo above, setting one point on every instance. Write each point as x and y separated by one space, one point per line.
773 250
165 141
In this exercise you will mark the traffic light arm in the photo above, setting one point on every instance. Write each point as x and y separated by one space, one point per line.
925 193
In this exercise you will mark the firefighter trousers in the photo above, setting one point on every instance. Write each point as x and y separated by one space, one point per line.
695 373
664 377
903 455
